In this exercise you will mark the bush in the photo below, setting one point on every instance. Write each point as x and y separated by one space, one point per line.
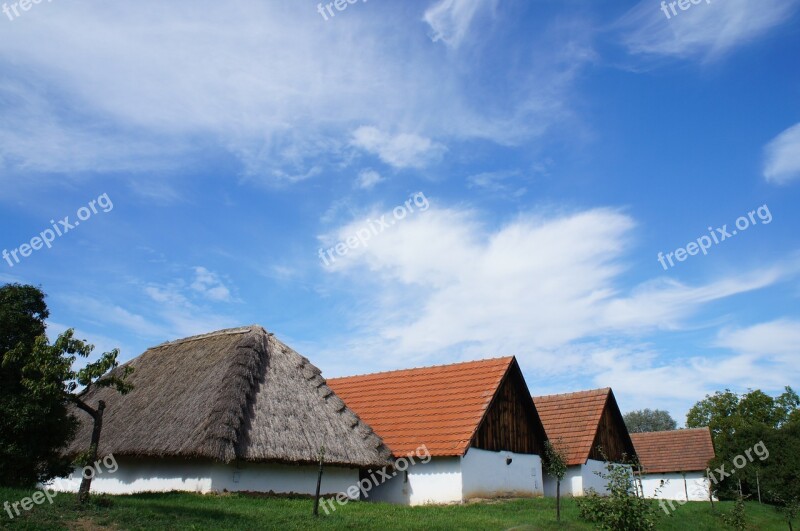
621 509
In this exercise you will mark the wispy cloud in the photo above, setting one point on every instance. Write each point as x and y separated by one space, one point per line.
450 20
708 30
782 157
367 179
403 150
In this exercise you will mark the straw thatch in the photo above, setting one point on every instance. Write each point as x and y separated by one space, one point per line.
228 395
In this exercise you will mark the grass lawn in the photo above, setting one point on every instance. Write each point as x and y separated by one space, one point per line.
237 511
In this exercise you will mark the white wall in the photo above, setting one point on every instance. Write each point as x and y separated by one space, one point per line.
485 474
673 486
162 475
437 481
579 479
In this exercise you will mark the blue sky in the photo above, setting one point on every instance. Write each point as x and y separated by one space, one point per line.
546 152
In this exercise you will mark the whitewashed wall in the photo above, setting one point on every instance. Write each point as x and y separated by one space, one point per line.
571 485
485 474
673 487
579 479
437 481
161 475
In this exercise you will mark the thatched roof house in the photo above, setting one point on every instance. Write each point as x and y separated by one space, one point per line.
233 397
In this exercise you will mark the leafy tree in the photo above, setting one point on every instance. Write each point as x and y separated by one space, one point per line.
646 420
49 376
33 432
738 424
555 463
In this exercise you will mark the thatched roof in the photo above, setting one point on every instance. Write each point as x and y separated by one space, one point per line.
228 395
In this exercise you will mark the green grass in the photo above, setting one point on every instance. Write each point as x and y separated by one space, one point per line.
237 511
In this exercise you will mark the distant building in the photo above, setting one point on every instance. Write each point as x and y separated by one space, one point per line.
476 419
584 425
674 463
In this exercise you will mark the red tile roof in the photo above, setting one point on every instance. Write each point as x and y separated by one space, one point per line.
571 421
440 407
674 451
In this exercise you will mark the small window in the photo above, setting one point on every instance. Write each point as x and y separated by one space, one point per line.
405 476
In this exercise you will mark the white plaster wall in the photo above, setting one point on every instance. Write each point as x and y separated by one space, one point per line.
571 485
673 487
162 475
591 479
485 474
437 481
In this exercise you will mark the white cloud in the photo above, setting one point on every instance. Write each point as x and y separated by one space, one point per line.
450 20
120 87
782 163
403 150
777 340
209 285
534 284
705 30
367 179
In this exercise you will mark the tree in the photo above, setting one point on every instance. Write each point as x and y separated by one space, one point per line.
737 424
555 463
33 433
49 376
646 420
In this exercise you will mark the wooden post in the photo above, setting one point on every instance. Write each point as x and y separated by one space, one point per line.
685 486
319 479
710 491
758 486
558 500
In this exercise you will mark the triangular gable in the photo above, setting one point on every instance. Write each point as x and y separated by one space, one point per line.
582 421
447 408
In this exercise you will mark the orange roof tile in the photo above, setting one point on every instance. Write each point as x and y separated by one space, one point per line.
440 407
571 420
674 451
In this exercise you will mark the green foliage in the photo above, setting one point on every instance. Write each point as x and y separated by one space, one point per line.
736 518
737 424
33 431
646 420
621 508
555 461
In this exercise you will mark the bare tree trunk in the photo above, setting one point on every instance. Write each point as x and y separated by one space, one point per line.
86 482
319 480
558 500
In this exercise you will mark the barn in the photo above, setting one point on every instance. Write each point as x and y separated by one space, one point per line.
673 463
476 421
232 410
581 424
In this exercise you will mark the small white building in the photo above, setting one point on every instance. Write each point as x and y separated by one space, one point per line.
674 463
232 410
471 428
585 426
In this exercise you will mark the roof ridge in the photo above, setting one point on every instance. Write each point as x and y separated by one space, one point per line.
422 368
225 331
573 393
702 428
